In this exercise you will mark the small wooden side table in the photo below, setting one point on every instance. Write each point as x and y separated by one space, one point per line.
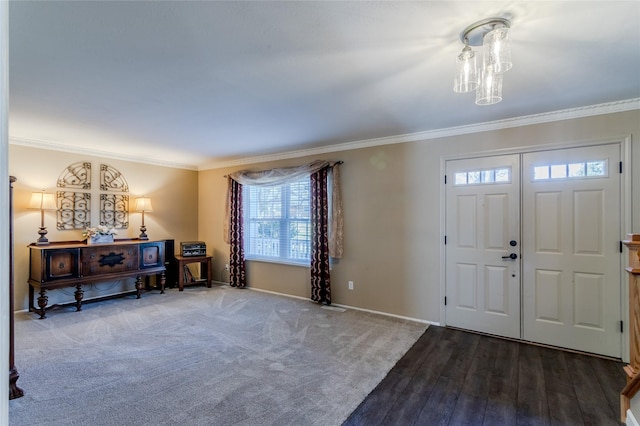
205 268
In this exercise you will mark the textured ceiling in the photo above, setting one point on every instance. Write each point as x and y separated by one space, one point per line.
195 83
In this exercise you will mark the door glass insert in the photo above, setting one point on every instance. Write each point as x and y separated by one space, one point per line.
586 169
480 177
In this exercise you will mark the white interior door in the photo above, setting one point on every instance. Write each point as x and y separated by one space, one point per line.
482 221
565 288
571 248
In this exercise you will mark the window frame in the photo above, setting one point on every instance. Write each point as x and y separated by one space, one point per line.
568 175
284 222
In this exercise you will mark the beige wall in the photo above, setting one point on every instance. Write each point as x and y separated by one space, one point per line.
174 195
392 214
391 204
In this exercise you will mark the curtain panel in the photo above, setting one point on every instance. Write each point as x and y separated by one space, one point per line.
320 275
278 176
336 222
237 275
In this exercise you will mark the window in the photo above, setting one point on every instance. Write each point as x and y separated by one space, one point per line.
479 177
277 223
587 169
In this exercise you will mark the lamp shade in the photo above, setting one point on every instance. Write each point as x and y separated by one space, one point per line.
496 50
143 204
466 79
42 201
490 89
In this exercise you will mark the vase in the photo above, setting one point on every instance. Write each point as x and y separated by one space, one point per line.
100 239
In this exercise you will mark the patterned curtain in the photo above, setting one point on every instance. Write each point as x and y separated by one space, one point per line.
336 221
237 276
320 280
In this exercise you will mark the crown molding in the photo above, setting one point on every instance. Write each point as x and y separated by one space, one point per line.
547 117
32 143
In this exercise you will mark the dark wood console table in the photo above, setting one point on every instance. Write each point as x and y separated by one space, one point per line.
205 265
72 264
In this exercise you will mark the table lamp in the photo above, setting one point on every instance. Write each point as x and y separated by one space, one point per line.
42 201
143 204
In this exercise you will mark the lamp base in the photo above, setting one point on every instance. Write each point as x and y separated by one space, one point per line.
143 233
42 240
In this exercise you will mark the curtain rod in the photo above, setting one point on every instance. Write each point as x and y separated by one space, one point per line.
330 165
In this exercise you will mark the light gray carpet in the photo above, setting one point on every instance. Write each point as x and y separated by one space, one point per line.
218 356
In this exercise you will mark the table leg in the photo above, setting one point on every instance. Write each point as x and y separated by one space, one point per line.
180 276
14 390
42 303
31 296
79 294
138 286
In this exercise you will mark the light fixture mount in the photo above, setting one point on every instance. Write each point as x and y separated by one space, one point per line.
474 33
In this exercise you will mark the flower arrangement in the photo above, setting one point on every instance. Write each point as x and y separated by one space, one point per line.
101 230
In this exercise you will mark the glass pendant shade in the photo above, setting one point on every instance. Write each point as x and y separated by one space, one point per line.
466 79
490 89
496 50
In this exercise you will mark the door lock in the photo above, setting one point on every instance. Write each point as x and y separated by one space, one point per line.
512 256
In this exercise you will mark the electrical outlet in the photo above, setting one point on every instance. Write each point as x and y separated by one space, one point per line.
350 285
226 266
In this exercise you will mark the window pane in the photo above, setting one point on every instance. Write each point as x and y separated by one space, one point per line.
265 202
300 240
264 238
502 175
299 200
576 170
461 179
541 172
474 177
487 176
595 168
558 171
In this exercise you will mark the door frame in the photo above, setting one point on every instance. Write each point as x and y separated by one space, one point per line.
625 216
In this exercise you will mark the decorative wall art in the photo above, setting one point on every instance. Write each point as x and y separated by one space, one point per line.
77 175
114 210
74 208
112 180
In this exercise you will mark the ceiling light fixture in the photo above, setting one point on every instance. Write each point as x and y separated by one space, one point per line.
493 35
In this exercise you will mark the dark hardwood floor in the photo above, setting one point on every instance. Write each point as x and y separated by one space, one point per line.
452 377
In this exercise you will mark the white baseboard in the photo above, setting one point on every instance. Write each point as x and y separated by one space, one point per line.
353 307
305 298
631 420
388 314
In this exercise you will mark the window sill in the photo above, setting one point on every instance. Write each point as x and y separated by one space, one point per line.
277 261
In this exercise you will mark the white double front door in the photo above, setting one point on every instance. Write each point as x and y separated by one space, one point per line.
533 247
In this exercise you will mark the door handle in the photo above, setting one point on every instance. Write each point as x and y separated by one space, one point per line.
512 256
